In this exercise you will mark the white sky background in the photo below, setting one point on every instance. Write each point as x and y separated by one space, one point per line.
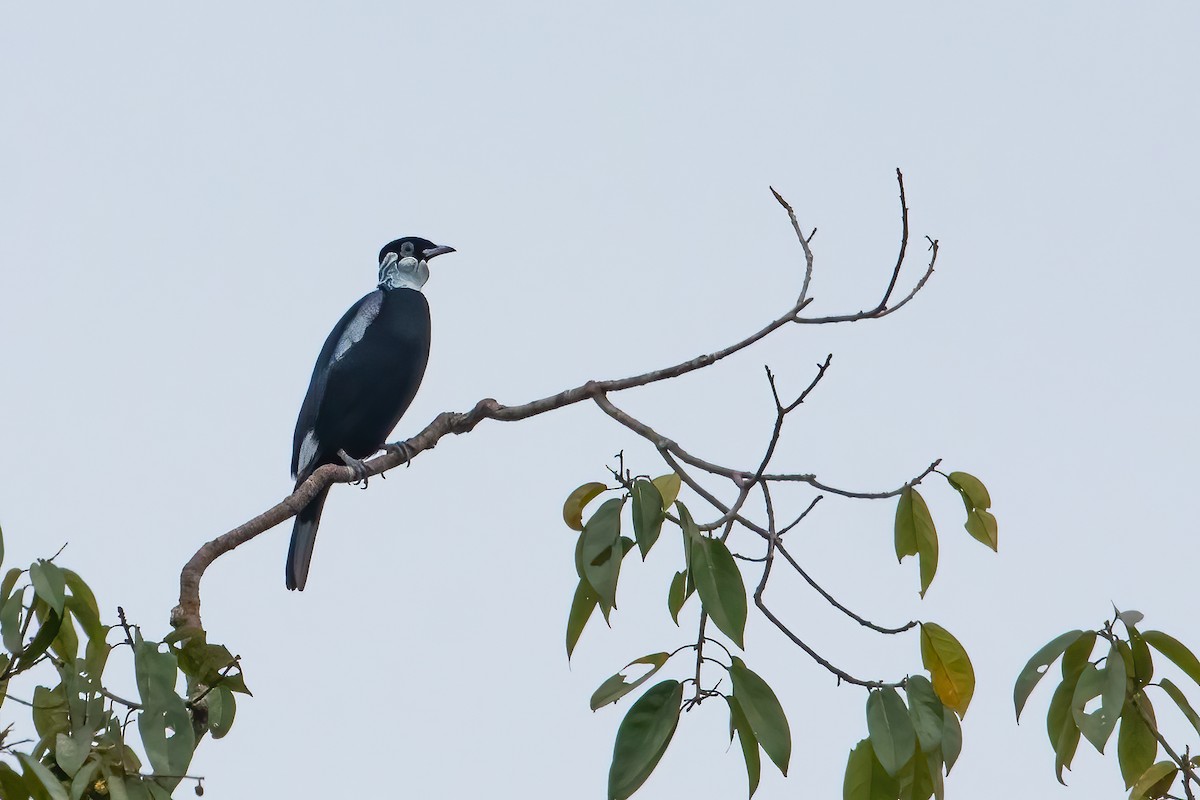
193 195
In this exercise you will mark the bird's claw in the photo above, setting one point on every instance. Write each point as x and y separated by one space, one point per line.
361 473
402 449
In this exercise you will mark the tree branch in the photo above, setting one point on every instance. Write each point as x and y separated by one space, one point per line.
187 613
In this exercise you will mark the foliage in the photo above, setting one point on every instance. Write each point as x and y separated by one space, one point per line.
1106 678
57 653
913 739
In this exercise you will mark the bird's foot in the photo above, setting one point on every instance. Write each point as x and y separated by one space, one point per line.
402 449
357 467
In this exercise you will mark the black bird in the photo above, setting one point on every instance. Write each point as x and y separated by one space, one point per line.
364 380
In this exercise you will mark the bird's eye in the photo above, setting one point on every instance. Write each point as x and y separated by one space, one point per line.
406 248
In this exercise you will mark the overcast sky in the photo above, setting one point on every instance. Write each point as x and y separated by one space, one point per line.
193 194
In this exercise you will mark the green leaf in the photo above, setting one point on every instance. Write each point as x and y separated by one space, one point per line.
949 667
84 780
82 604
1060 725
1175 694
668 487
573 507
1039 665
916 535
981 524
164 722
764 713
1155 782
642 738
12 785
866 778
38 771
615 687
719 584
890 729
70 753
1077 656
974 493
926 711
648 515
1143 663
738 722
47 631
10 622
1136 745
601 551
222 708
49 583
582 606
677 595
1173 649
951 738
1098 725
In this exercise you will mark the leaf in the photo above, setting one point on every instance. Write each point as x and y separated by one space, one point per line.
82 604
668 486
974 493
222 708
1180 700
582 606
749 742
719 584
84 780
1039 665
983 527
164 722
1131 618
600 551
1077 656
573 507
764 713
49 583
1136 745
1155 782
642 738
916 535
981 524
70 753
12 785
10 622
615 687
1098 725
926 711
951 738
949 667
47 631
1173 649
648 515
866 778
677 595
35 769
1060 725
890 729
1143 663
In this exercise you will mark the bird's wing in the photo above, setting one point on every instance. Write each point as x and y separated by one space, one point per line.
306 450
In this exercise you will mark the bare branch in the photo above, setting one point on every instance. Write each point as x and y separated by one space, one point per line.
833 601
187 613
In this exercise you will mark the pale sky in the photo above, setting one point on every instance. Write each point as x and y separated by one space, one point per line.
192 196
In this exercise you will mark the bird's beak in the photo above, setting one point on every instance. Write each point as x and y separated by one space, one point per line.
437 251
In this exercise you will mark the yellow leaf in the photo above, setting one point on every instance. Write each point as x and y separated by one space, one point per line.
668 487
573 507
950 669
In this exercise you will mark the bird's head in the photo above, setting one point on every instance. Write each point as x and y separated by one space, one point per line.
404 263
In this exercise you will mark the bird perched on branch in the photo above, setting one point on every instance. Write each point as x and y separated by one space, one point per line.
365 379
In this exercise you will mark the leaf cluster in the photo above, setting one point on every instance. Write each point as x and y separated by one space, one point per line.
1105 679
54 640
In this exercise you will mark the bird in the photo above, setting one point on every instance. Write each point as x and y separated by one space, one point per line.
364 380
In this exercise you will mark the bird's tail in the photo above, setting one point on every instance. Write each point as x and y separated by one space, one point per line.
304 537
